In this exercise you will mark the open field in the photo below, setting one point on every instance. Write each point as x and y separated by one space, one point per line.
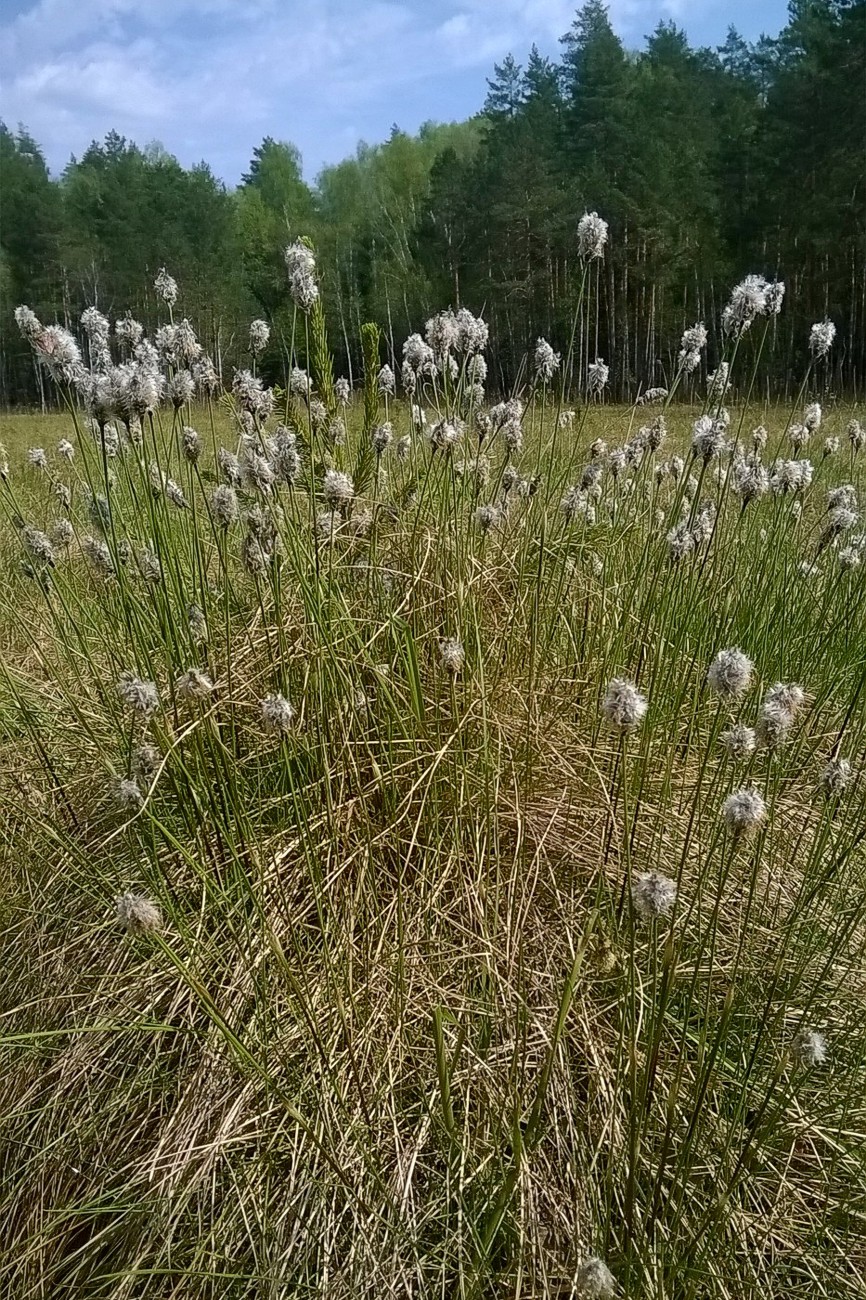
487 812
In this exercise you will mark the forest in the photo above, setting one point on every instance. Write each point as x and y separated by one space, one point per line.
707 164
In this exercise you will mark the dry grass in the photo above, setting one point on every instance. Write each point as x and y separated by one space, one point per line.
402 1033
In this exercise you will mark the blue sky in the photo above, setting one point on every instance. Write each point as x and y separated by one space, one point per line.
210 78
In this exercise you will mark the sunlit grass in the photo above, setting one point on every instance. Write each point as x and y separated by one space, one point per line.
402 1030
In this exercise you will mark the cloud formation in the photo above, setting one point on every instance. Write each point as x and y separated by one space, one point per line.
210 78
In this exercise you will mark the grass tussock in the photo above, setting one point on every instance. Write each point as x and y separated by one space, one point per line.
407 891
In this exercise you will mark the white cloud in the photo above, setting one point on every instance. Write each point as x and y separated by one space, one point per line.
209 78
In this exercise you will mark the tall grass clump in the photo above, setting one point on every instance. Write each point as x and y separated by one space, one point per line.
434 827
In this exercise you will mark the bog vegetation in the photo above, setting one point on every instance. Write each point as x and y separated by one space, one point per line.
706 163
433 826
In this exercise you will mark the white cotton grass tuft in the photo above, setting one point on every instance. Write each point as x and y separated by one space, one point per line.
166 287
821 338
839 520
744 811
845 495
145 760
730 673
787 696
277 714
229 467
385 381
623 706
38 545
782 703
129 793
197 623
62 533
547 361
594 1280
194 685
592 235
445 434
709 438
224 505
98 555
739 741
260 333
301 267
653 895
191 445
337 488
28 322
381 437
486 517
452 654
137 914
693 342
836 777
597 375
809 1047
139 696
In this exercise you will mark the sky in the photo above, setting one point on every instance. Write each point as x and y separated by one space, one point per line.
209 79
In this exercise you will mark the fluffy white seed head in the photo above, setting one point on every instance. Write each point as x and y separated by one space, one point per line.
486 517
129 794
709 438
452 654
788 697
594 1280
197 623
810 1047
137 914
730 673
138 695
301 268
821 338
37 545
546 361
385 381
836 777
592 234
739 741
194 684
166 287
653 895
744 811
260 333
338 488
623 705
277 714
597 376
28 322
381 437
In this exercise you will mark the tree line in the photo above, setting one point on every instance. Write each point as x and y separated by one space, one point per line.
707 164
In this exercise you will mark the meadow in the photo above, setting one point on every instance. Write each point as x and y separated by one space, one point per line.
433 824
